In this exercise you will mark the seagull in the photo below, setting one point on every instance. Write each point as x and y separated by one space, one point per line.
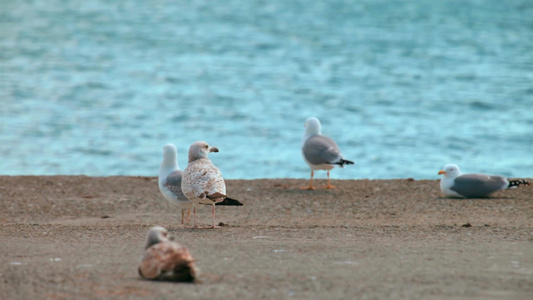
166 260
456 184
170 180
202 181
320 152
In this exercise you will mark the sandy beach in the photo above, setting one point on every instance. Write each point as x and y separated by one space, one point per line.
78 237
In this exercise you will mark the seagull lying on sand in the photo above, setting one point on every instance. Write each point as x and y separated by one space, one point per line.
166 260
170 180
456 184
319 151
202 181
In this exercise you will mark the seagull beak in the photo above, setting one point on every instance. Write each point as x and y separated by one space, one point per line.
442 172
213 149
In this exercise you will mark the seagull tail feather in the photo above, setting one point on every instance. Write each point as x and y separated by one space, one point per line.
184 272
517 182
343 162
229 201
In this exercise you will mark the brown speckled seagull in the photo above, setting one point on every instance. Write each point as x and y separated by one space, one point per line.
166 260
202 181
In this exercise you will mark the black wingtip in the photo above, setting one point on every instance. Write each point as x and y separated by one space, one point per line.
347 162
517 182
343 162
229 201
185 273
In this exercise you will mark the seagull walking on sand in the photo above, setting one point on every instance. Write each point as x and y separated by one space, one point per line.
458 185
320 152
202 181
170 180
166 260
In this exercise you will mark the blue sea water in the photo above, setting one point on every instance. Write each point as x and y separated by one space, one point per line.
403 87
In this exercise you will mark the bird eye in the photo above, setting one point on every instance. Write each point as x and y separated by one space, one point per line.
206 146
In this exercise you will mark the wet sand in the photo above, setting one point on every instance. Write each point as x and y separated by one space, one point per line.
78 237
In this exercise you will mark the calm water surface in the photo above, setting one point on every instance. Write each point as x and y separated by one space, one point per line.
404 87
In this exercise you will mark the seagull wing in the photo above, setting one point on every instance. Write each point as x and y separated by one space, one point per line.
321 149
478 185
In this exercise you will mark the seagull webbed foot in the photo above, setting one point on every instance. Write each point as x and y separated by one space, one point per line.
307 187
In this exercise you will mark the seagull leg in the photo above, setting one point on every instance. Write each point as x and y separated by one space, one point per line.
329 186
182 215
194 216
213 213
188 215
310 187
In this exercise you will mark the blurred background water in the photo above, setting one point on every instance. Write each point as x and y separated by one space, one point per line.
404 87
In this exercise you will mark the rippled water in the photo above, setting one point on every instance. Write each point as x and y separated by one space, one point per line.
404 87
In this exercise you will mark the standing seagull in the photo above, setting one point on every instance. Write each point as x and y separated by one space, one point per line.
170 180
456 184
202 181
166 260
319 151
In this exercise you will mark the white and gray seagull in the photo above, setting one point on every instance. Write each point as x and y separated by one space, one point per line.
202 181
456 184
320 152
170 180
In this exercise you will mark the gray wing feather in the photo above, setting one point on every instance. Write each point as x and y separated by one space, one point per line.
478 185
321 149
173 183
